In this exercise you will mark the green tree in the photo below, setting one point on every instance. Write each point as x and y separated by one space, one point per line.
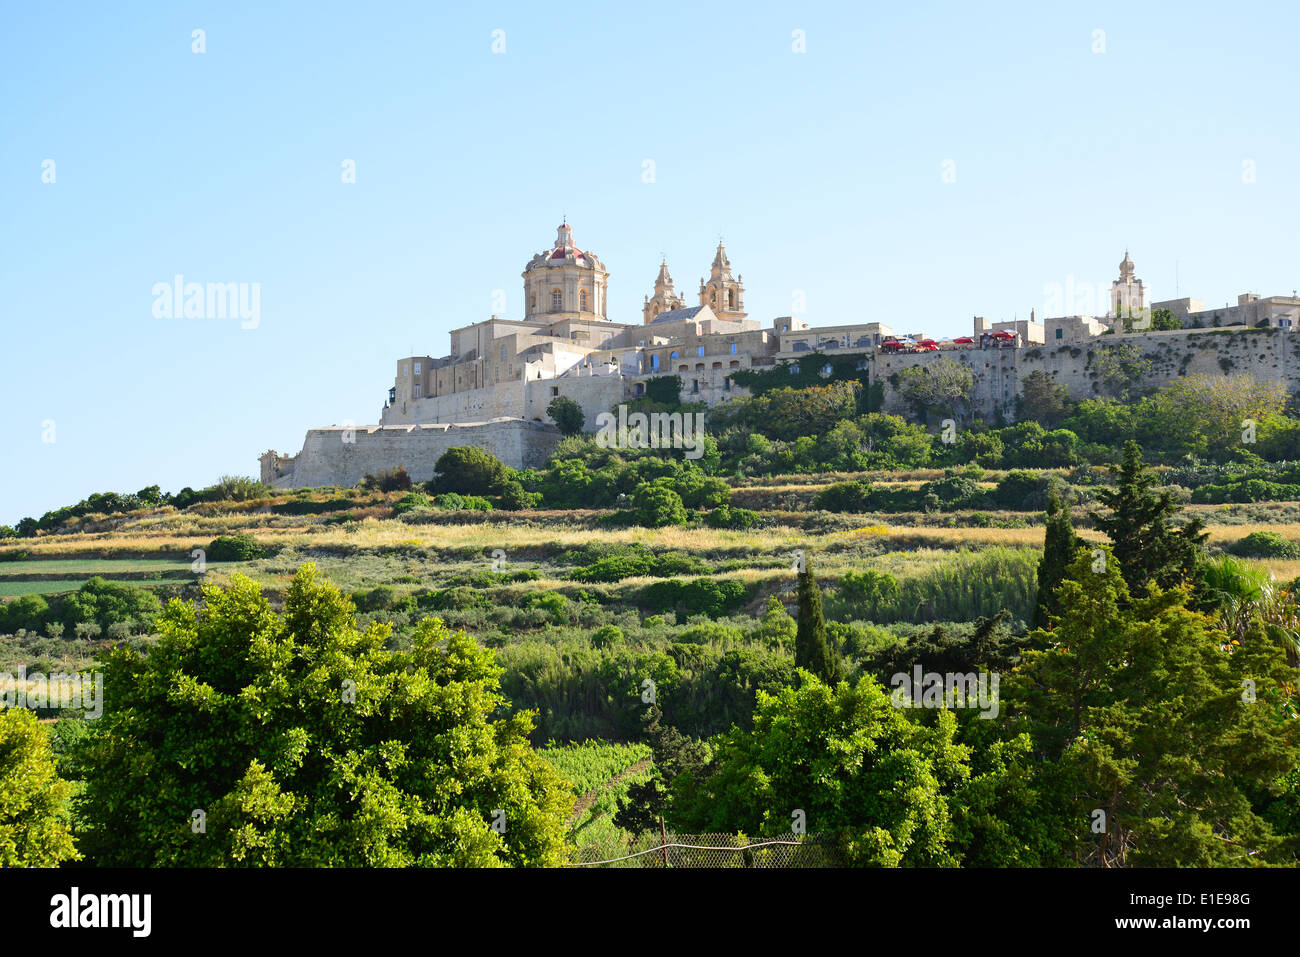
1161 722
812 651
468 470
35 828
1042 399
656 506
845 756
1164 320
1059 545
1146 542
943 387
566 414
306 743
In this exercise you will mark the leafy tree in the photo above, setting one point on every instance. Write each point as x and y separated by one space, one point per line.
776 628
108 603
1042 399
468 470
1164 320
847 758
655 506
812 651
1059 546
1148 546
1161 721
566 414
307 744
1121 369
235 548
35 826
943 387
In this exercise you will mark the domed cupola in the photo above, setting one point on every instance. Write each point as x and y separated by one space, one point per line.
564 281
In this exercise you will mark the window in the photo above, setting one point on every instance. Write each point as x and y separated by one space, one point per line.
582 301
532 303
731 299
674 355
416 393
555 390
701 352
503 352
695 385
733 348
557 300
417 368
654 362
1059 333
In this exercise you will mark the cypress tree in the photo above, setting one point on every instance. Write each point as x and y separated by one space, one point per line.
1146 543
1059 546
812 651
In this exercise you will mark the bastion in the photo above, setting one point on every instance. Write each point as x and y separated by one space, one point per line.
343 455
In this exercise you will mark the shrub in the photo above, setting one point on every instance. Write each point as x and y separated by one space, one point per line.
410 502
1265 545
728 516
237 488
656 506
844 497
468 470
388 480
513 497
606 636
236 548
695 596
454 502
109 603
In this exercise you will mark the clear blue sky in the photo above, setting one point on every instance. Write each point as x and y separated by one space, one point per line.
822 170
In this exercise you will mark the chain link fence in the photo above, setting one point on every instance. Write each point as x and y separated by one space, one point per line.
712 850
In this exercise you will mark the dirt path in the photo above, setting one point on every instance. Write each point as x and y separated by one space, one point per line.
587 800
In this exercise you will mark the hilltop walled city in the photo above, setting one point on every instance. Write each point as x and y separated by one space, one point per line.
493 389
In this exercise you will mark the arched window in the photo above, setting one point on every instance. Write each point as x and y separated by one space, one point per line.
674 355
557 300
582 301
731 299
532 303
713 298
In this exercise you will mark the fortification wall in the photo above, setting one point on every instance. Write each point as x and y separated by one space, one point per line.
1267 354
327 459
502 400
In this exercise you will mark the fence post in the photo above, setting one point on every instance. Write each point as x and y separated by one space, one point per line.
664 833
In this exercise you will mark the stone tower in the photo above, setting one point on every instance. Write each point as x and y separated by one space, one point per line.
564 282
1127 295
723 294
665 298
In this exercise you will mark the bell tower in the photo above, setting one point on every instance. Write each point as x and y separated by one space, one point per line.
723 294
665 298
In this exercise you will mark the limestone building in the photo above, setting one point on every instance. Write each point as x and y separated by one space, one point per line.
494 386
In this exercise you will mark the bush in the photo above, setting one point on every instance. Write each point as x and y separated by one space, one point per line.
388 480
468 470
1265 545
455 502
410 502
844 497
109 604
656 506
237 488
513 497
606 636
729 516
695 596
236 548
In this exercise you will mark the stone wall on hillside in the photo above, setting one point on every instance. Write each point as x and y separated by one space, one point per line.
342 456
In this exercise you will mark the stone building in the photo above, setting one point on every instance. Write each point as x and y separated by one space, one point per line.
494 387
